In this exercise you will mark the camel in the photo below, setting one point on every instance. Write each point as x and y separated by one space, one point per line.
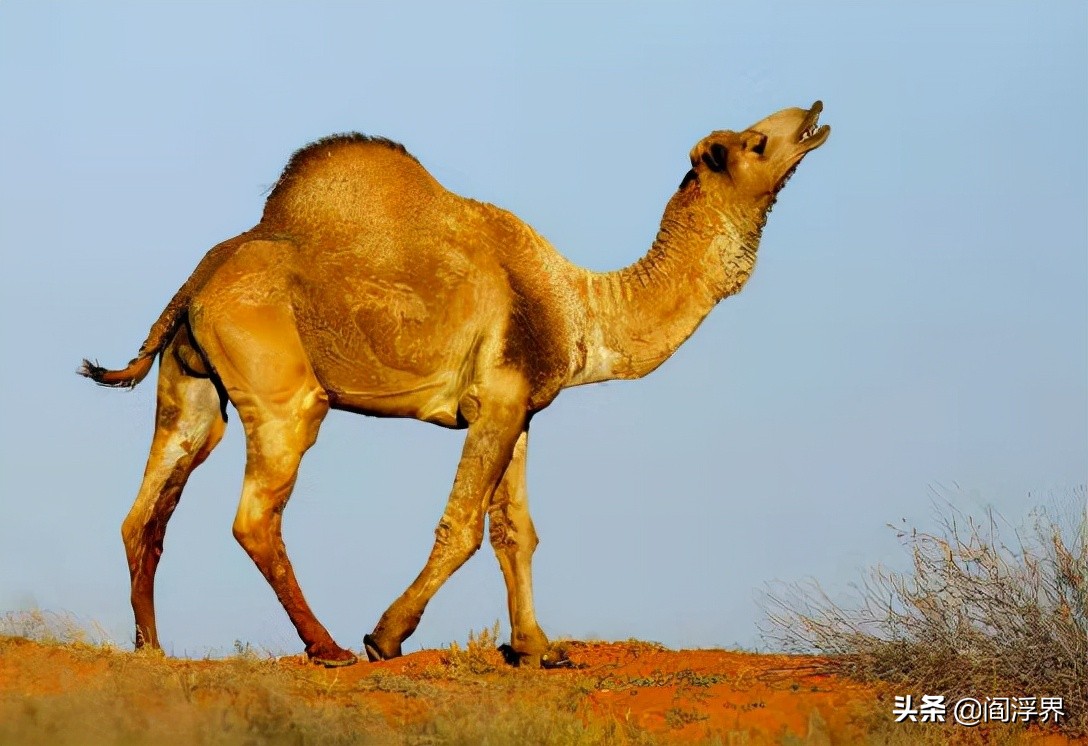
368 287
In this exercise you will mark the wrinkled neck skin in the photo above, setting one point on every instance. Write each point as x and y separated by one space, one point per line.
636 317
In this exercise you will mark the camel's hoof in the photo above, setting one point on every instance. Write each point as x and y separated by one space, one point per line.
553 658
332 657
375 653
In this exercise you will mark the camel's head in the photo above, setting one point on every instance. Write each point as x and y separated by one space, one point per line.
755 164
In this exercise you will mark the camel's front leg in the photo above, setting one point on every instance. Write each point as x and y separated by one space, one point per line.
496 418
514 539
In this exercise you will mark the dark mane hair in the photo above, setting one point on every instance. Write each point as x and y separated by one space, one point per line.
305 153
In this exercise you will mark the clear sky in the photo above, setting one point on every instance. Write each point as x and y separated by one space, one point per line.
917 322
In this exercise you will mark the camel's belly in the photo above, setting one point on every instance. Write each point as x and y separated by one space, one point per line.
422 377
432 400
397 336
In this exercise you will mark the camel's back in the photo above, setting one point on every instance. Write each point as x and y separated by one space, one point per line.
397 285
345 185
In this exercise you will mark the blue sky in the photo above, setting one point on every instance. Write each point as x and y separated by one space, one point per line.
917 323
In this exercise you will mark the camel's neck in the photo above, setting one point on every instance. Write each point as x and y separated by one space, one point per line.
638 316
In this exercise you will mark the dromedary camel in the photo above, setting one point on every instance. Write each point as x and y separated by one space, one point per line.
368 287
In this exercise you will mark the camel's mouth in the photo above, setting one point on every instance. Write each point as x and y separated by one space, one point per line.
794 141
809 133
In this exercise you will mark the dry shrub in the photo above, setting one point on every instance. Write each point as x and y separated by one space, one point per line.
480 655
53 628
975 617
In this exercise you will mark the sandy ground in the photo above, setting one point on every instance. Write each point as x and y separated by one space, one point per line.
642 692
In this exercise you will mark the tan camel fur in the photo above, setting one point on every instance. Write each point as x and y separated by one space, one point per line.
368 287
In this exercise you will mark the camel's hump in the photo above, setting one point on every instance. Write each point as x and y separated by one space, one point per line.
331 143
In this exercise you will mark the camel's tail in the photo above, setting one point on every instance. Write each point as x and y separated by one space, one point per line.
127 377
164 327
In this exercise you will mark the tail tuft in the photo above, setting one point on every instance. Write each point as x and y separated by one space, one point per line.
127 377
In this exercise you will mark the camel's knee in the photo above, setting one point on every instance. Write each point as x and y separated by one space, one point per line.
499 533
460 540
503 534
506 536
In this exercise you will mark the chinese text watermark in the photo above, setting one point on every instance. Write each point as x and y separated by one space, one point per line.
970 711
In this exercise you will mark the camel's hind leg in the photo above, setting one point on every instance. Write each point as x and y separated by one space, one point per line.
514 539
188 424
259 357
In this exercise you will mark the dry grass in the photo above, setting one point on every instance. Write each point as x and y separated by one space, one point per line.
252 698
137 700
53 628
976 617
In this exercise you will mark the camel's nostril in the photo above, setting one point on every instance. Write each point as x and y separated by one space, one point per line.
719 154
